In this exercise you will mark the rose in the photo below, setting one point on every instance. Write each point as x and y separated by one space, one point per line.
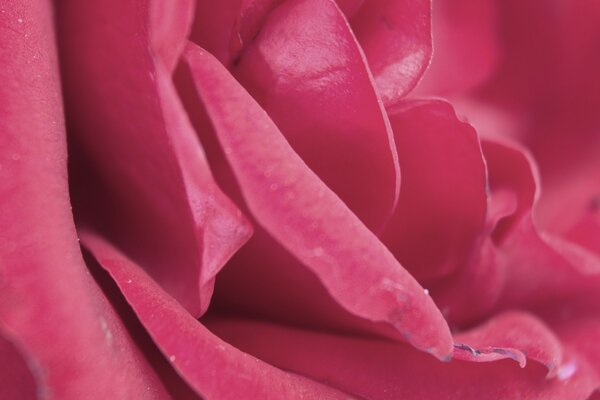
156 227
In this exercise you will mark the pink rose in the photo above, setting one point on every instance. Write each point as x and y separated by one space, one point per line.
272 204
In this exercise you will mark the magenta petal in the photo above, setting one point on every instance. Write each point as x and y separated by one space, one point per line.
514 335
307 72
50 307
17 381
378 369
153 192
441 212
510 170
308 219
212 367
396 38
465 46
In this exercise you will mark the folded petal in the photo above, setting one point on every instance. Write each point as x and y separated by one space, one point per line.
465 46
307 72
212 367
515 335
441 212
51 309
308 219
142 177
396 38
539 267
378 369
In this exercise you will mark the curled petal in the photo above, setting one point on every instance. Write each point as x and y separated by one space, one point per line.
307 72
466 46
212 367
378 369
396 38
140 174
51 309
441 212
514 335
308 219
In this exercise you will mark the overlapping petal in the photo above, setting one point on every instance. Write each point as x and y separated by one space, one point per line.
465 44
307 72
396 38
441 212
308 219
381 369
140 174
212 367
51 310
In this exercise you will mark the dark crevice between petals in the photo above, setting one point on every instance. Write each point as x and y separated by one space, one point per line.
173 383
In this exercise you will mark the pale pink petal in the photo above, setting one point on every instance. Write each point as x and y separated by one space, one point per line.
140 173
308 219
212 367
307 72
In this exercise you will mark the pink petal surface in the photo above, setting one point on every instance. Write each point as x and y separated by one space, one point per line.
465 46
16 378
396 38
212 367
142 176
50 308
307 72
515 335
441 212
538 267
308 219
378 369
547 79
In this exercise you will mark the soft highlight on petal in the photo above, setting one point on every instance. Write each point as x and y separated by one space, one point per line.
212 367
308 73
309 220
140 175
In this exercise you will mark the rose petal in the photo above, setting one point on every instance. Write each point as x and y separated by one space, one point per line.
212 367
378 369
170 23
538 267
514 335
442 207
474 290
150 187
465 46
396 38
306 69
50 308
16 379
308 219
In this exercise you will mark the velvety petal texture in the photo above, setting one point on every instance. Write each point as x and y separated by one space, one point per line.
442 208
304 67
378 369
212 367
53 316
308 219
396 38
271 205
141 175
